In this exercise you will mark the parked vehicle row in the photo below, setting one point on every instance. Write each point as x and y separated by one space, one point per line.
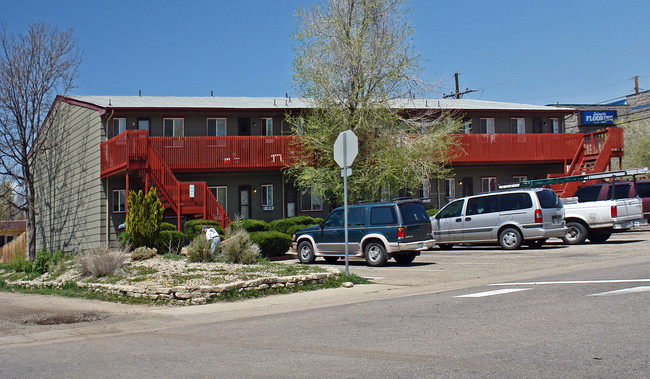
401 229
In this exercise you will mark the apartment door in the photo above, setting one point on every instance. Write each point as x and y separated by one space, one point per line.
244 126
468 186
245 202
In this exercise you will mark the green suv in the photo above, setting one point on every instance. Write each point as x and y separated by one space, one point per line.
377 231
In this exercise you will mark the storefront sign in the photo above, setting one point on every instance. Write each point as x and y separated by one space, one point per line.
598 117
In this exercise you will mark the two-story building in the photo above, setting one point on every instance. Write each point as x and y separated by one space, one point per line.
221 158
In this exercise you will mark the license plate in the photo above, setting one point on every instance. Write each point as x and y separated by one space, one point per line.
420 245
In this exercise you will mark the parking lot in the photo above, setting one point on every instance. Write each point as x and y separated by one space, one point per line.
475 262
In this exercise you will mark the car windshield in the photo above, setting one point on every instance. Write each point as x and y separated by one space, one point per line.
413 213
548 199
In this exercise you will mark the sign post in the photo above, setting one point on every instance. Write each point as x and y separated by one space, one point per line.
346 148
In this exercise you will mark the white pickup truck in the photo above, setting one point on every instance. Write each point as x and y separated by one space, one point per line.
596 220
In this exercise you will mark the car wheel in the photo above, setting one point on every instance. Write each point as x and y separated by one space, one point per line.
331 259
536 244
599 236
405 258
510 239
306 252
376 254
445 246
576 233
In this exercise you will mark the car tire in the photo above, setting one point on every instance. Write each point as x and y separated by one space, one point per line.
576 233
331 259
405 258
510 239
375 253
306 253
536 244
599 236
445 246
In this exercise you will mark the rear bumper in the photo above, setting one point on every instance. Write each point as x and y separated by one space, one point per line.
537 231
410 246
630 224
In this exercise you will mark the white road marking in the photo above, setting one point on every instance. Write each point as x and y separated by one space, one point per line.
574 282
623 291
495 292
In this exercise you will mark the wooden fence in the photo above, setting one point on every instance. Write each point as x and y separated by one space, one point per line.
11 250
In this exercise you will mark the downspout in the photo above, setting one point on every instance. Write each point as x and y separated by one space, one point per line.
108 195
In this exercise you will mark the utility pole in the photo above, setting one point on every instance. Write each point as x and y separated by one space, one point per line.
457 94
636 84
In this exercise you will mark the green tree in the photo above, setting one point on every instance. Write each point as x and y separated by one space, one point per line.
355 66
636 132
144 217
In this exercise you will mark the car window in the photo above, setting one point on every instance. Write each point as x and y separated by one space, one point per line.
643 189
452 209
514 201
621 191
334 220
413 213
383 215
587 193
481 205
356 216
548 199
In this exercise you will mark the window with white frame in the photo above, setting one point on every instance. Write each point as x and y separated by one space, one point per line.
119 126
519 178
221 194
555 125
119 201
267 126
311 202
425 191
173 127
468 126
267 195
215 127
488 184
450 188
487 126
518 125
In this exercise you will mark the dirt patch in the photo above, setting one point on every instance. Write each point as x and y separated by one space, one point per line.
65 318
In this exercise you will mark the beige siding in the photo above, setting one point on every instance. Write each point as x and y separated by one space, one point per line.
70 198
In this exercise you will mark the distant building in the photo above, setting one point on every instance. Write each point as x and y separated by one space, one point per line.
221 158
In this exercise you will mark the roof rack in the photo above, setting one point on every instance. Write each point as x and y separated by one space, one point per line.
577 178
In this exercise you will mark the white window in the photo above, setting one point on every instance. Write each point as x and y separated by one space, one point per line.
425 191
173 127
487 125
519 178
119 126
221 194
311 202
468 126
488 184
144 124
518 125
267 195
555 125
216 127
450 188
119 201
267 126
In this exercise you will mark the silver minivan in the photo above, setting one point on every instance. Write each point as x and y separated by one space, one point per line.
511 218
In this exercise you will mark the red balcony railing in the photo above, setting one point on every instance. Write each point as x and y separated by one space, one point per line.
515 148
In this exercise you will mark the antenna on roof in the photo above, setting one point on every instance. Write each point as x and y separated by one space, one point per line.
140 92
211 93
109 102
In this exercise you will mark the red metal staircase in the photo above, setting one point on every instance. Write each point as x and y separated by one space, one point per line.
594 155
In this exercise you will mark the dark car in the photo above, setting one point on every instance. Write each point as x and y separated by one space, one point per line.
618 190
377 231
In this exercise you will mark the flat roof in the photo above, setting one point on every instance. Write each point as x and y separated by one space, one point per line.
208 102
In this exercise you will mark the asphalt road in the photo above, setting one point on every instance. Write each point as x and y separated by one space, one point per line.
559 311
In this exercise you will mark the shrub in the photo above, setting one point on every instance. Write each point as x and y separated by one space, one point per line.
169 241
239 248
199 249
432 211
294 228
271 243
251 225
167 226
143 252
283 225
100 262
20 264
144 217
195 227
46 261
125 240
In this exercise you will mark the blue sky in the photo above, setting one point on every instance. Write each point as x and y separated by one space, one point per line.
536 52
